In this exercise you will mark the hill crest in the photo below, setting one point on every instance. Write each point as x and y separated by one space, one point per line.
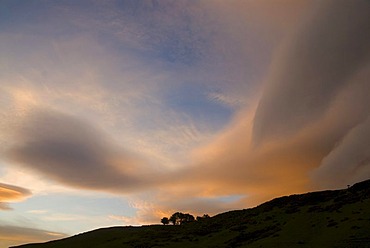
330 218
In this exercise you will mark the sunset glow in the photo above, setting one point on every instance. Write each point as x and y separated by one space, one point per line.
122 112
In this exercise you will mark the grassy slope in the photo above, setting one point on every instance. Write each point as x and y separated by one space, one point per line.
339 218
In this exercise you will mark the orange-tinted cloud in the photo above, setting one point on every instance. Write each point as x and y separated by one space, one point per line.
315 97
11 193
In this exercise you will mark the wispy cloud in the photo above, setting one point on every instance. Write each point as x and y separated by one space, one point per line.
38 211
11 193
15 235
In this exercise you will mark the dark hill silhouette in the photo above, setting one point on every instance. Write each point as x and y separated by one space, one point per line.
332 218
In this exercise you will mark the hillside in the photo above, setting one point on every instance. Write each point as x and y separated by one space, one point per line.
337 218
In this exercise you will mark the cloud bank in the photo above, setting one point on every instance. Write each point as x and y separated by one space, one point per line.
311 120
349 161
320 79
72 152
314 66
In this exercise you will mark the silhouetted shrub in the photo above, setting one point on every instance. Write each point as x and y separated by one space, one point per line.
165 221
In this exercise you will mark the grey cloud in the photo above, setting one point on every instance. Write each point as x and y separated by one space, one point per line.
71 151
349 161
314 66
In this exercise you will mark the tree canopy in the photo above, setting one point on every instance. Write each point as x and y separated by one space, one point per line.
180 218
165 221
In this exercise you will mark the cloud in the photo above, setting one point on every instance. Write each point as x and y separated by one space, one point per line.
15 235
11 193
312 68
154 205
74 153
349 161
315 96
313 109
115 63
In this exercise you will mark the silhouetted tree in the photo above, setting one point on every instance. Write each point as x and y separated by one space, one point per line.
173 220
176 218
165 221
187 218
179 218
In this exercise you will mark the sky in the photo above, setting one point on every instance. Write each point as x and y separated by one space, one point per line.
123 112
